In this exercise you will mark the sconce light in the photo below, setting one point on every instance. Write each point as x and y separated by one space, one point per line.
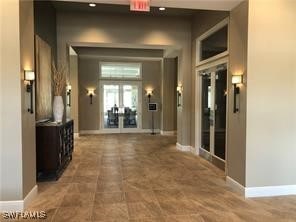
29 80
149 93
179 94
69 88
236 79
91 93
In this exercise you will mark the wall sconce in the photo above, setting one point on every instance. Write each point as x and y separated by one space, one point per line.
236 79
69 89
91 93
179 94
149 93
29 80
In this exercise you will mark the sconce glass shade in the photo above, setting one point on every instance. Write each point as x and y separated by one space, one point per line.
91 92
149 92
179 89
29 75
237 79
69 88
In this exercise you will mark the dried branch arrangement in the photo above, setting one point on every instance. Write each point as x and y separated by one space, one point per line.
59 79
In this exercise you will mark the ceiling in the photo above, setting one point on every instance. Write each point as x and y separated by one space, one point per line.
120 9
225 5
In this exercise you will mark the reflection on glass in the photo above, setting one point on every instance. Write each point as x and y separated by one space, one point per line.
206 108
214 44
130 102
220 113
111 102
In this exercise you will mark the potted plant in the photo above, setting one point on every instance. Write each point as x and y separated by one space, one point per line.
59 84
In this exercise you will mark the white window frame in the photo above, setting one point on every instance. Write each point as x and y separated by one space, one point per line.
120 78
211 31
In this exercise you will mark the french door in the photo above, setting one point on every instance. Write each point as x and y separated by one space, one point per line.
121 106
214 111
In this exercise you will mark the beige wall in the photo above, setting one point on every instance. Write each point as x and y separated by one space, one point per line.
11 123
236 140
271 121
142 31
17 125
89 115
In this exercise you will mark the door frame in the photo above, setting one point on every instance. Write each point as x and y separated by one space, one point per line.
198 104
139 111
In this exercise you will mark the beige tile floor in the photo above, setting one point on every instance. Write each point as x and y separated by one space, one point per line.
143 178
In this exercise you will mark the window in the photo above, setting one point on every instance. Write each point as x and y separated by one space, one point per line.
213 44
120 70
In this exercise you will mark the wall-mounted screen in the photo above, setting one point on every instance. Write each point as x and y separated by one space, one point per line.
152 107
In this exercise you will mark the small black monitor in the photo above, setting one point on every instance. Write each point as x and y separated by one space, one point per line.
152 107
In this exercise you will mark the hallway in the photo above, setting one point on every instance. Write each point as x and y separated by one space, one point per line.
135 177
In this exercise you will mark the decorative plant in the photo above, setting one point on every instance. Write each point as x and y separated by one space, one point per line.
59 79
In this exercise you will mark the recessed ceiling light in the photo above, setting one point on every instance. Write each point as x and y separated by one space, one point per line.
161 8
92 5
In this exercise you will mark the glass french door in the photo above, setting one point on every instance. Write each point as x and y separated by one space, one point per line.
121 106
214 110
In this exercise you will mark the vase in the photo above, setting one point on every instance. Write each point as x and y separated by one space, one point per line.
58 109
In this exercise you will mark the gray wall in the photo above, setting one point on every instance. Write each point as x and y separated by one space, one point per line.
75 28
122 53
169 94
27 56
236 140
89 115
45 24
74 109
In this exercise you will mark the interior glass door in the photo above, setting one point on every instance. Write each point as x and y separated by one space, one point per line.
121 106
130 105
206 111
214 110
220 112
111 106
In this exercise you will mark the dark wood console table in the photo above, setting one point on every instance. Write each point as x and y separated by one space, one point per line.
54 147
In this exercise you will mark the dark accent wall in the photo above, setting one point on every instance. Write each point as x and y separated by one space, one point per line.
45 24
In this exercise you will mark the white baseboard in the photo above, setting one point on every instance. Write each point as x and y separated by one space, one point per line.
19 205
267 191
186 148
270 191
235 185
94 132
30 196
168 133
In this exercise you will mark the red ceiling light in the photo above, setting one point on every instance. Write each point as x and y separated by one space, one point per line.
140 5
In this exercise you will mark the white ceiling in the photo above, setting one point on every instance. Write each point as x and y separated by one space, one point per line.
226 5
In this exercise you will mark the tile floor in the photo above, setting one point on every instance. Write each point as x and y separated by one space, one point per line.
143 178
